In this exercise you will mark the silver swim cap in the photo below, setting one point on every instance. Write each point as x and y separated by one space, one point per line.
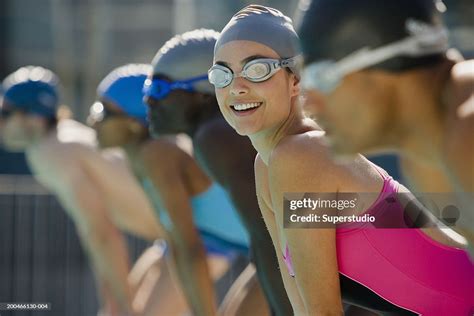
263 25
187 55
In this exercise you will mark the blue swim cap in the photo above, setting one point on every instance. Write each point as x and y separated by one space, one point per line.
123 87
32 89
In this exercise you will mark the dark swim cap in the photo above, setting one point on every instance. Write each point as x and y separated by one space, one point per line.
186 56
333 29
33 90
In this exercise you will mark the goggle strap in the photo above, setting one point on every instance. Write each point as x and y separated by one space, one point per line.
430 40
166 86
194 79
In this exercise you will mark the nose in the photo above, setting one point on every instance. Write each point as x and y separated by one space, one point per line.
238 87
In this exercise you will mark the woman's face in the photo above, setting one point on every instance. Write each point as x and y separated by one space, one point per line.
270 100
117 129
20 129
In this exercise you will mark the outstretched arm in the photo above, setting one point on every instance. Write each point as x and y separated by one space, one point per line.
166 173
103 242
301 168
229 159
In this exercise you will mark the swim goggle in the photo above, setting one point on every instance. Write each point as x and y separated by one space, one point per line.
98 112
7 110
425 39
256 70
159 88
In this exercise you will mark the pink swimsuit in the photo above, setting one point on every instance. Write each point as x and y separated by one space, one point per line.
403 265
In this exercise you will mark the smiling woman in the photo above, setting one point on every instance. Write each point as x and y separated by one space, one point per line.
321 268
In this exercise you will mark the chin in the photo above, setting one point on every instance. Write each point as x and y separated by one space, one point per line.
245 130
242 132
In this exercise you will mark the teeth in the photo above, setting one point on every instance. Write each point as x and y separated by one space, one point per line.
245 106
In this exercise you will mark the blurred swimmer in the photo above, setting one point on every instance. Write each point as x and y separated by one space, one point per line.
99 193
197 215
381 78
181 100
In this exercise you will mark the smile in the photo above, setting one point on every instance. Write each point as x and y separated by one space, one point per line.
240 107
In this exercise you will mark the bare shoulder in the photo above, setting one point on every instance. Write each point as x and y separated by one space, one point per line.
307 151
60 165
162 152
225 155
305 161
217 137
61 155
462 94
72 144
71 131
463 71
207 131
459 140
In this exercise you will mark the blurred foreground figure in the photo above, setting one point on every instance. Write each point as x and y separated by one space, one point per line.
380 78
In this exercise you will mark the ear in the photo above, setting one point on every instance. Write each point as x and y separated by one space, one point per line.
295 85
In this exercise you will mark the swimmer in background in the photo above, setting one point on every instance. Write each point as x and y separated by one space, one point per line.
180 100
99 193
197 215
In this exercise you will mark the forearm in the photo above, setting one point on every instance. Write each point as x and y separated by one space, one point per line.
109 257
316 273
194 276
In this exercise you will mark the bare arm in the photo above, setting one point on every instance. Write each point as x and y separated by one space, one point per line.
297 167
229 159
166 174
129 207
83 200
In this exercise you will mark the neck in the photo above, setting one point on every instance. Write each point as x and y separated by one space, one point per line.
132 150
422 112
265 141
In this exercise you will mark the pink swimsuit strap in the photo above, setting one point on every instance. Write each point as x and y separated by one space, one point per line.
288 261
